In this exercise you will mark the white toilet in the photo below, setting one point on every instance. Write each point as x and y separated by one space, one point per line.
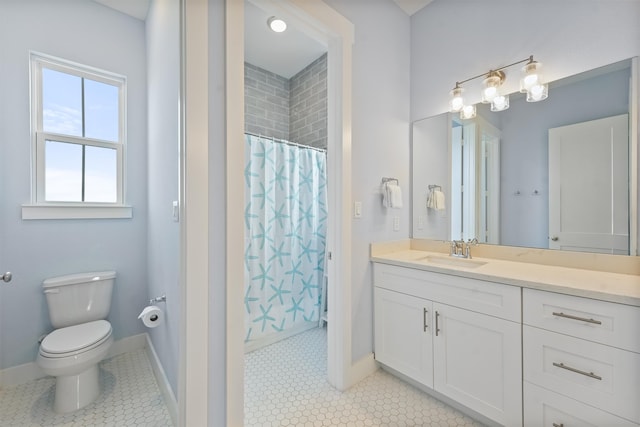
78 306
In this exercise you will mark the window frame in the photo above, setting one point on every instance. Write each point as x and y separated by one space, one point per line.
41 208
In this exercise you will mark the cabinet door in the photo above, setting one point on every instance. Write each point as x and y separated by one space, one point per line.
477 362
403 334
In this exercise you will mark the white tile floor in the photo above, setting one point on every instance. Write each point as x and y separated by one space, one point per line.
130 397
285 385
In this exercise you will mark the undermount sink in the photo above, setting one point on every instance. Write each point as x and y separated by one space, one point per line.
452 261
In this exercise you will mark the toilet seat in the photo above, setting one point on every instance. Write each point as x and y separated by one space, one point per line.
75 339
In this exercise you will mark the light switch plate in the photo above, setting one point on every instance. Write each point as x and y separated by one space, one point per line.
357 210
175 211
396 223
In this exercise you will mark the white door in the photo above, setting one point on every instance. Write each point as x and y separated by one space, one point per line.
588 181
488 184
403 331
477 362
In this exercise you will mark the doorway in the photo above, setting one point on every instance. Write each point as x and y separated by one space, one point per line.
326 25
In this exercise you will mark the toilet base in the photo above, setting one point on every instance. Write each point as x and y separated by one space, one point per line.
76 391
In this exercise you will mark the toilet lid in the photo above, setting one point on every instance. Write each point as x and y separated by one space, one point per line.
77 337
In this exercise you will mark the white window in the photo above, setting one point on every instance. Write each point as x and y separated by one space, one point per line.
78 134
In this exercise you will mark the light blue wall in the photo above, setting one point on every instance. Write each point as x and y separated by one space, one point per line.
88 33
380 142
163 262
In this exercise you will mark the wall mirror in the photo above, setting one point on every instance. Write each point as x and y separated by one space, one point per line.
556 174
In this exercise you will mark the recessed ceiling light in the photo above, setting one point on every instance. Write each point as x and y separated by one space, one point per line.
276 24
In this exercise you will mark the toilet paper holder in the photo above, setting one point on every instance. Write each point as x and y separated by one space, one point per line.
162 298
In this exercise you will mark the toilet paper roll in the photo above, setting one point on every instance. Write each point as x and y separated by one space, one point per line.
151 316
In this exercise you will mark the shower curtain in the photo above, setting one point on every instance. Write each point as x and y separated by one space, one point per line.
285 232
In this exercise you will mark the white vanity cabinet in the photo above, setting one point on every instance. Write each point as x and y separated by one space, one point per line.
458 336
581 362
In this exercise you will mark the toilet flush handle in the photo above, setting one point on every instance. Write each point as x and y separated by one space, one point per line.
52 291
6 277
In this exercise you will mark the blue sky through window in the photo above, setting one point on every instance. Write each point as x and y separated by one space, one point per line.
62 104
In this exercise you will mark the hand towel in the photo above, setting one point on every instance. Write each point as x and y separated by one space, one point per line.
391 196
435 200
395 195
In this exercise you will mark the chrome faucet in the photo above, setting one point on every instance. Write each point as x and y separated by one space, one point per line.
462 249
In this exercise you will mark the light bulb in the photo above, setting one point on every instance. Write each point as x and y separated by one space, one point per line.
537 93
276 24
500 103
468 112
457 102
531 76
492 86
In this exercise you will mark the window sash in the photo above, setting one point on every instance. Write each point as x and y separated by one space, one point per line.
39 138
43 137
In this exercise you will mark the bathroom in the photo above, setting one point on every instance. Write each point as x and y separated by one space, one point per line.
412 82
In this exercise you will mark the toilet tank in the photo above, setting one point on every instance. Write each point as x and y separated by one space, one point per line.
79 298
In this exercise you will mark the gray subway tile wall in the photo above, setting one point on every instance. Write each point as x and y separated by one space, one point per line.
293 109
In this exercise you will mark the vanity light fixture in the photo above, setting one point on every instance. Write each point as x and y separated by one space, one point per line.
276 24
531 84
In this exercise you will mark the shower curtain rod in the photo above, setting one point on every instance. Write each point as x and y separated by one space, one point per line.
284 141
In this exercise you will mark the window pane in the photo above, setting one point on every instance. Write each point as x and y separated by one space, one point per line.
100 175
63 172
100 111
61 103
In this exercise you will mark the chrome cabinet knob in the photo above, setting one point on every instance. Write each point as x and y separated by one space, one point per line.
6 277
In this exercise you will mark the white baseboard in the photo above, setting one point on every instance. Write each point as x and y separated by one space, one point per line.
20 374
163 382
362 369
128 344
278 336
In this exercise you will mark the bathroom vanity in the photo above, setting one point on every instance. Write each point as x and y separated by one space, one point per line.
513 338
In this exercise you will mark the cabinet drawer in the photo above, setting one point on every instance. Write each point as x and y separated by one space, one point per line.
600 321
546 408
494 299
598 375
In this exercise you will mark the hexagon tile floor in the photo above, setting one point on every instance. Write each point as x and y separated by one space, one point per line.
130 397
285 385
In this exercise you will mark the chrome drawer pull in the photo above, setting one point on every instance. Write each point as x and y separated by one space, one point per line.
437 328
424 319
557 425
582 319
577 371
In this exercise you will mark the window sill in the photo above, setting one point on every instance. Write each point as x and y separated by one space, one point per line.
76 212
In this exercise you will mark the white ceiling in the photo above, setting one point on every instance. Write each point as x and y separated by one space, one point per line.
284 53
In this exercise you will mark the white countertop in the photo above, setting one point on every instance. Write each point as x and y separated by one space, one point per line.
607 286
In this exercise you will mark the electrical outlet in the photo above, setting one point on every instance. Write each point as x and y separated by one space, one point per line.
396 223
357 210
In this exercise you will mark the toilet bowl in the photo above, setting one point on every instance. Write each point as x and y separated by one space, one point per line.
71 355
78 305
